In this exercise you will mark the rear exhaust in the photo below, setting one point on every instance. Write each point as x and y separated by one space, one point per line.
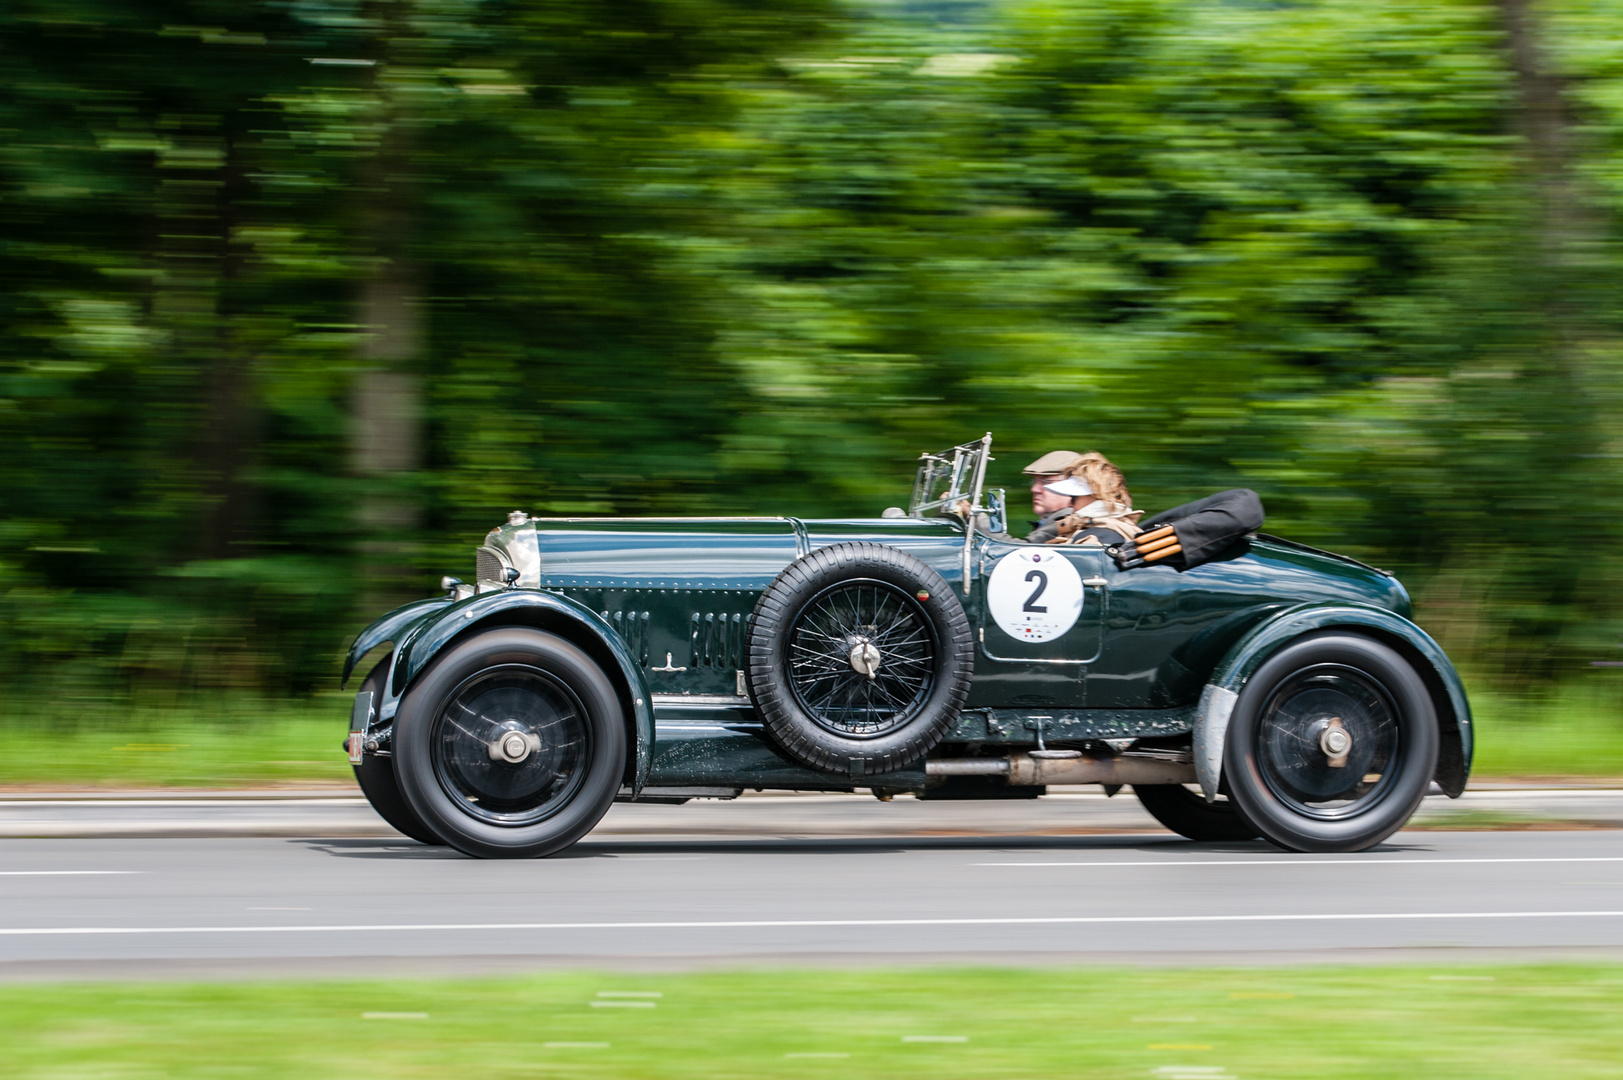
1068 767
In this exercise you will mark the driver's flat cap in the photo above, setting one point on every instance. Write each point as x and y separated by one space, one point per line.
1055 461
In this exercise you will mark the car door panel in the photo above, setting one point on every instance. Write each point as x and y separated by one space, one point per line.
1040 614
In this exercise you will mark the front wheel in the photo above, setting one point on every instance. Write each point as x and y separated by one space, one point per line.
511 745
1332 743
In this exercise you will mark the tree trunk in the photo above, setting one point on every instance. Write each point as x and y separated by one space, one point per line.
1542 119
387 405
200 181
387 416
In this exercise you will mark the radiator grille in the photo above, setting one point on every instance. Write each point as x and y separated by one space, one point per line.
487 565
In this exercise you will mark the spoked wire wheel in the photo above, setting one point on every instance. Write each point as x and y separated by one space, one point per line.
862 658
510 745
1328 738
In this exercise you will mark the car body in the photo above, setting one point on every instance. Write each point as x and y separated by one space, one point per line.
1138 686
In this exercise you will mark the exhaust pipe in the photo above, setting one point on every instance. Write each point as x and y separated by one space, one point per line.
1024 770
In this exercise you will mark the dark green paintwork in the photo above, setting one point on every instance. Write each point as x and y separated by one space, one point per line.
720 745
675 596
390 628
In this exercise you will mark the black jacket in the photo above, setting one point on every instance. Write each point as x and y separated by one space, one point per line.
1210 527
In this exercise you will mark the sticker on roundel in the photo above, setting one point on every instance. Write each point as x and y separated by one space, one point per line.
1034 595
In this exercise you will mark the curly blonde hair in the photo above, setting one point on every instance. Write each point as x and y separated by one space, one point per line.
1103 477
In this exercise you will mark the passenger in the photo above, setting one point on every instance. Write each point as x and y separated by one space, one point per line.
1102 508
1063 487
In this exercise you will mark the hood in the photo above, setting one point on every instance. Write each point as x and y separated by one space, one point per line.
642 553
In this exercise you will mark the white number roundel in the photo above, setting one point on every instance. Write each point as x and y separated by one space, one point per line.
1034 595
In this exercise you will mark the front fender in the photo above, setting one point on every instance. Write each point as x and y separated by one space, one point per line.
1222 691
547 611
392 627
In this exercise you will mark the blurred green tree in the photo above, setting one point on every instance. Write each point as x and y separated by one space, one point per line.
300 295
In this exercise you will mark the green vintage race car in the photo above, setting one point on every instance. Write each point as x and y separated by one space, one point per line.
1263 689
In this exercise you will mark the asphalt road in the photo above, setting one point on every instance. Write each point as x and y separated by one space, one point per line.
243 906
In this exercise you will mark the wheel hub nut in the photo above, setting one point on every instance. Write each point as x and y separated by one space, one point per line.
865 658
513 746
1336 742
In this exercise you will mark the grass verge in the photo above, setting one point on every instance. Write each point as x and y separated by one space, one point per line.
1576 730
237 740
225 741
1327 1023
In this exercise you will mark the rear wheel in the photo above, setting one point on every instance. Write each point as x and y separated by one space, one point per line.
1332 743
376 776
511 745
1188 814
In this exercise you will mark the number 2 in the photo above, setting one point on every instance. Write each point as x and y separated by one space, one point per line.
1031 601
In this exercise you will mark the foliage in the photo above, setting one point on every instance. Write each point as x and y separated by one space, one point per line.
705 256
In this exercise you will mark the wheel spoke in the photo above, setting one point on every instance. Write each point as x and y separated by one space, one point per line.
848 617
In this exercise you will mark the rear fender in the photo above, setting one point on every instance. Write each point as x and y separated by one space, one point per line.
556 614
1447 692
392 627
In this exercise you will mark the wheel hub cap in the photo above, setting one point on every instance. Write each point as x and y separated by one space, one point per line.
1336 742
513 744
865 658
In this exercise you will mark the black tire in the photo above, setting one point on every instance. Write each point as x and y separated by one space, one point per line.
376 777
804 631
1279 770
1188 814
539 695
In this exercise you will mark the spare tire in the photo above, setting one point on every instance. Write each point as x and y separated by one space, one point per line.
860 658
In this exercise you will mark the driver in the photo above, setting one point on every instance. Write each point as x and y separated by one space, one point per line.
1051 507
1078 499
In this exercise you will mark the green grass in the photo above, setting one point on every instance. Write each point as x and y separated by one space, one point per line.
1329 1023
1574 731
226 741
237 740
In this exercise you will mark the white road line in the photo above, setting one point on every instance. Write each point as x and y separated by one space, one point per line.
1286 860
772 924
63 873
